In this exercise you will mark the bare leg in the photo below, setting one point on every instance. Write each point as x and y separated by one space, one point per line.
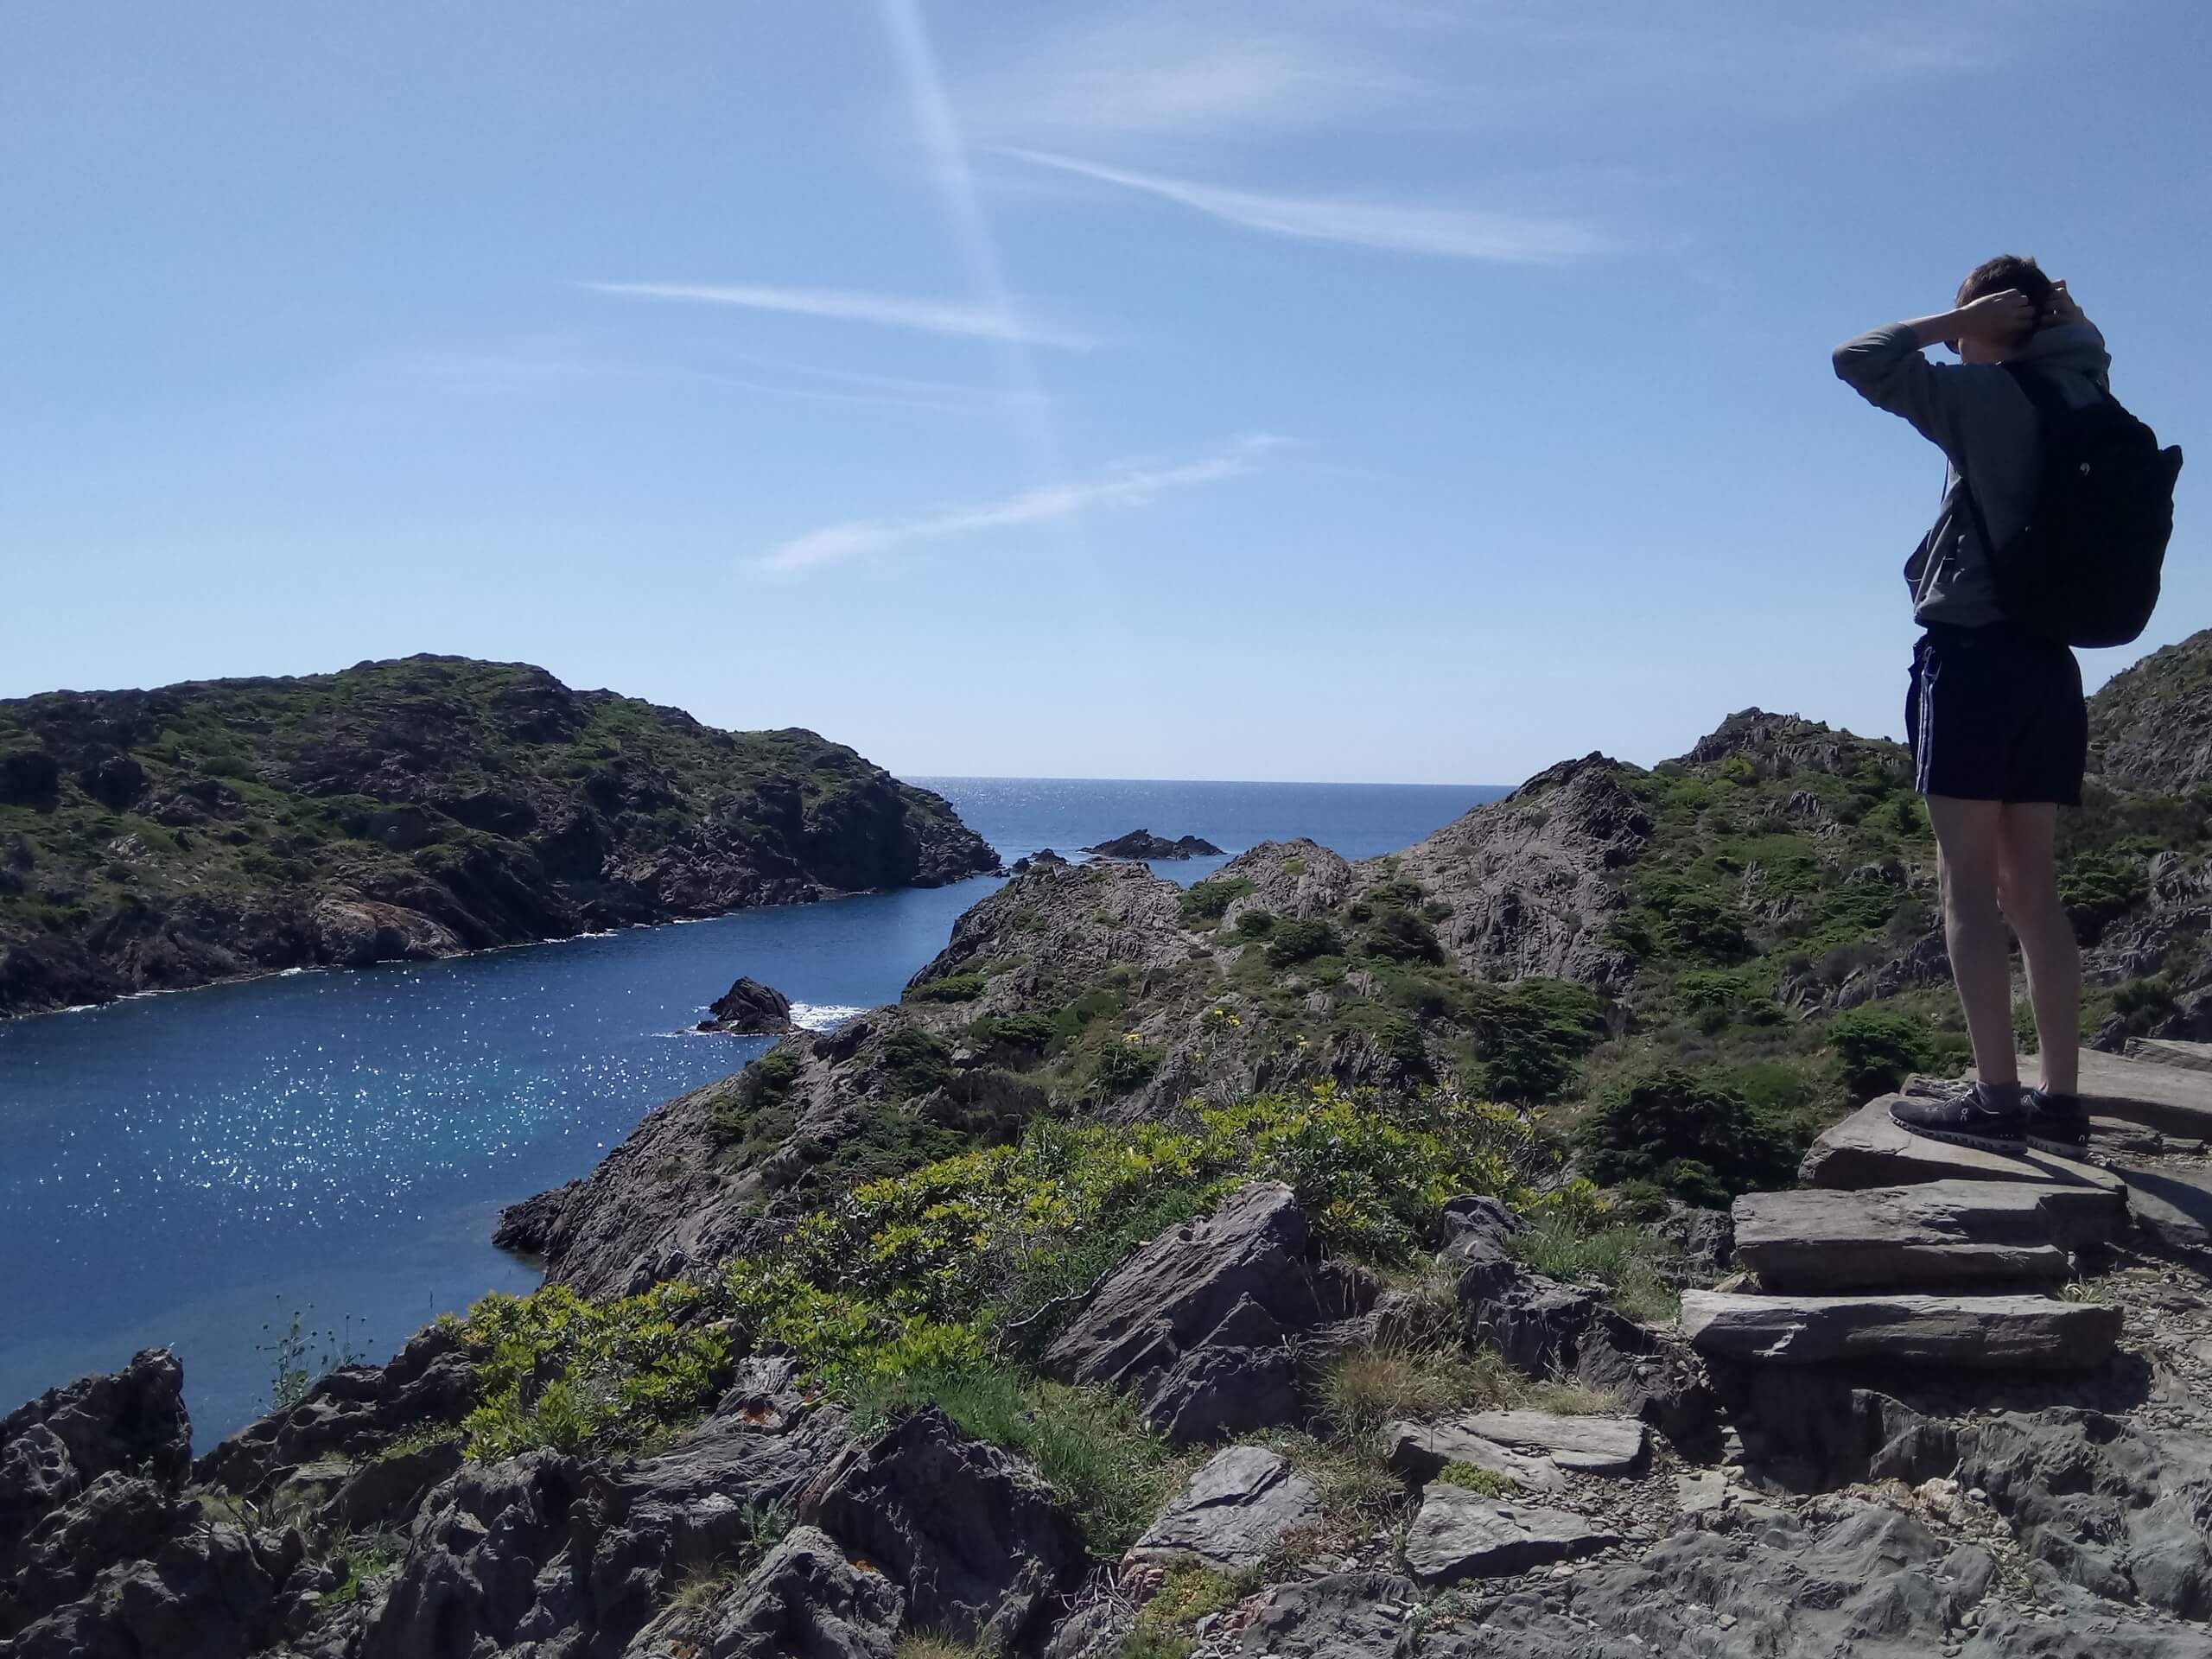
2027 886
1973 929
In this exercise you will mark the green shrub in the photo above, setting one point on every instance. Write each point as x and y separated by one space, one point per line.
1124 1065
917 1061
2097 887
1207 900
1876 1049
1301 939
950 988
558 1371
748 1114
1401 936
1018 1036
1530 1035
1256 923
1693 1133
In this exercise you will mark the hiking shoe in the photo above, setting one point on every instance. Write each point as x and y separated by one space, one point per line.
1982 1114
2056 1123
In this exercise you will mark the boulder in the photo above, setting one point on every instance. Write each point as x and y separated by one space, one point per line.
1201 1320
1143 844
1978 1332
1241 1501
1945 1233
749 1008
1044 858
1868 1149
971 1533
805 1601
1343 1615
1460 1534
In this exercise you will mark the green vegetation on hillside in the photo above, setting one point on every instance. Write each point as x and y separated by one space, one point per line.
167 837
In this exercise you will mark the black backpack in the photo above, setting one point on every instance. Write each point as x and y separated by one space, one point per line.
2084 569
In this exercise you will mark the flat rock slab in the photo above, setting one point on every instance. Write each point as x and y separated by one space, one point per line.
1242 1500
1868 1149
1597 1445
1458 1535
2170 1051
2173 1099
1974 1333
1949 1233
1420 1451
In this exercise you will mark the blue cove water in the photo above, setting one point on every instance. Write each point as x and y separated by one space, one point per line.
193 1169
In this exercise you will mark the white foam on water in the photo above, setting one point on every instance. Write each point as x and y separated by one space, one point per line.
822 1016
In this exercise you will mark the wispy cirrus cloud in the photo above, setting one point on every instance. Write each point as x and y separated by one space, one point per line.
1452 232
1118 488
1185 68
1000 322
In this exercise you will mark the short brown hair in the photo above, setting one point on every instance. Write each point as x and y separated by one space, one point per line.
2007 270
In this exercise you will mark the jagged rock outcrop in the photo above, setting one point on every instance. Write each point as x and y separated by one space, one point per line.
403 810
1212 1323
101 1552
348 1413
805 1601
749 1008
1143 844
971 1533
1529 879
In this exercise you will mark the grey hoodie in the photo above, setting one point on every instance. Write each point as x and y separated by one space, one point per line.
1986 430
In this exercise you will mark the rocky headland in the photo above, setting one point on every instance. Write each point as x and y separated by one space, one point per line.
1497 1248
156 839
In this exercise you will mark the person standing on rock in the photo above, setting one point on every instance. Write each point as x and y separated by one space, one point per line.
1997 724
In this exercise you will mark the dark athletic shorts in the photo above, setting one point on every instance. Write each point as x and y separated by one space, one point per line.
1995 716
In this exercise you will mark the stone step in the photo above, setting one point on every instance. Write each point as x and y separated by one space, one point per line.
1974 1333
1868 1149
2173 1099
1596 1446
2168 1050
1951 1233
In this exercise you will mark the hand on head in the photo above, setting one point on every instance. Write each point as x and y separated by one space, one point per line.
1998 319
2061 308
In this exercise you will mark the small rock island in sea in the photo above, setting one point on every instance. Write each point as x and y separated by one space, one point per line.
1143 844
749 1008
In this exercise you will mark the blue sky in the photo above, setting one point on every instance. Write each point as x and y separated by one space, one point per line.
1287 388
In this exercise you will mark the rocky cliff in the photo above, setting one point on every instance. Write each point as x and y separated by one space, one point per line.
152 840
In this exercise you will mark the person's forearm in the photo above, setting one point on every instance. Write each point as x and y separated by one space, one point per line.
1939 330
